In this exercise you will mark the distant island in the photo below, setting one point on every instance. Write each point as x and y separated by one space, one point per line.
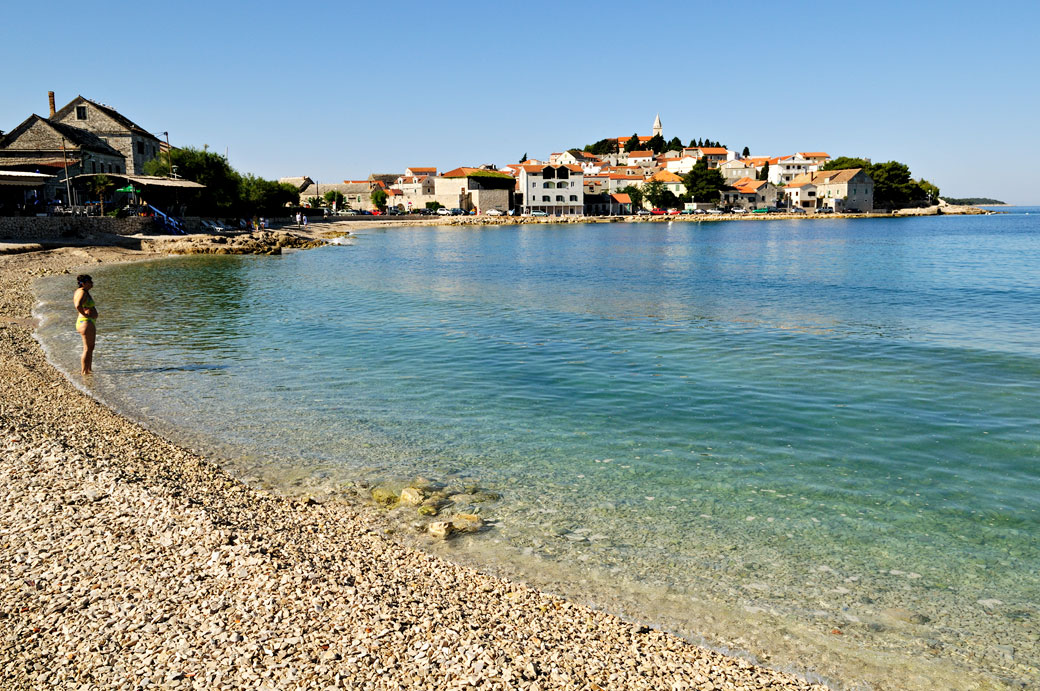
973 201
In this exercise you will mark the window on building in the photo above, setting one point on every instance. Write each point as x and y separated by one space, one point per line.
140 147
547 185
559 198
561 184
545 198
574 197
81 112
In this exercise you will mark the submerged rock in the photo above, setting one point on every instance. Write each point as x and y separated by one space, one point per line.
384 496
412 495
467 522
441 529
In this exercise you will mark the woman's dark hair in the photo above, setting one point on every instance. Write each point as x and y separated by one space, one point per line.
83 278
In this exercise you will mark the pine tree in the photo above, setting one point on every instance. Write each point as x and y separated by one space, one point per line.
745 153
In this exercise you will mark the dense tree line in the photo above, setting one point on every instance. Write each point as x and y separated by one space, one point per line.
657 144
227 192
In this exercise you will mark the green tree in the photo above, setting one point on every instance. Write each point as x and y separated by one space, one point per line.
653 192
632 144
265 197
334 197
379 198
745 153
99 186
845 162
523 158
764 173
433 206
703 183
930 191
674 144
603 147
635 194
223 192
313 202
656 144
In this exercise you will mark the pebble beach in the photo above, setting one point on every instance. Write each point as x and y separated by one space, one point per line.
133 563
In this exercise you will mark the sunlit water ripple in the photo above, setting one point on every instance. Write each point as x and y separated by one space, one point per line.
762 433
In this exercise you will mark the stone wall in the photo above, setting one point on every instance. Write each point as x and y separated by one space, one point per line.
15 228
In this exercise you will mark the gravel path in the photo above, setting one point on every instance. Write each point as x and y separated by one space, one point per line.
132 563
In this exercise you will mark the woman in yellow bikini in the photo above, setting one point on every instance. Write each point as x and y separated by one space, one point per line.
85 321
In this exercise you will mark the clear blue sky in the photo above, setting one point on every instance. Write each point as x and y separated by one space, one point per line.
339 90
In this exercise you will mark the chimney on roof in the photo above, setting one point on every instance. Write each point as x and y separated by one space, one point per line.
50 100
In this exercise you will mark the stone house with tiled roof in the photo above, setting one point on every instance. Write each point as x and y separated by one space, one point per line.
750 194
137 145
850 189
39 145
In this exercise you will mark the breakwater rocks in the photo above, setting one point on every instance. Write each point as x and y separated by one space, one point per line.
257 242
133 563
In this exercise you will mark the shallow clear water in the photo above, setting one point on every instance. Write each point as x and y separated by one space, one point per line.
761 433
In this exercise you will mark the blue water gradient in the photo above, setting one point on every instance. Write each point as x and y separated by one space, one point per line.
808 424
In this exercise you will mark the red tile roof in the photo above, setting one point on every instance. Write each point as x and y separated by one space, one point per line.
622 198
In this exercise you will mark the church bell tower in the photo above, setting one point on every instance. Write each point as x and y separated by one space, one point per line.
657 126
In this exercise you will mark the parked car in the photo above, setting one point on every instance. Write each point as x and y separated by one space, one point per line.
444 211
673 212
825 210
539 213
642 212
492 212
797 210
699 211
715 212
657 212
687 212
738 210
458 212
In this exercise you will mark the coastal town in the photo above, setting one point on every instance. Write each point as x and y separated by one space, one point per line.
87 157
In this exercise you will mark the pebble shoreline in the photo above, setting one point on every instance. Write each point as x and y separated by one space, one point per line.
133 563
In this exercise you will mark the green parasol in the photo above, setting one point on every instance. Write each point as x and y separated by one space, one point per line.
128 188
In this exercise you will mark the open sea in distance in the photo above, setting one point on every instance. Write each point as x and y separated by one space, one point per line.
815 442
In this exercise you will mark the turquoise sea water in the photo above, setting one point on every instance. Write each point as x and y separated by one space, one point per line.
814 441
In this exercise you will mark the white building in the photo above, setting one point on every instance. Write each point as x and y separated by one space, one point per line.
557 190
787 168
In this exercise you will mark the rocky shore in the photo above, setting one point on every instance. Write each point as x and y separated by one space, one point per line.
132 563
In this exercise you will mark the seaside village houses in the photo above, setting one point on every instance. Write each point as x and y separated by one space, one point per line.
577 183
46 162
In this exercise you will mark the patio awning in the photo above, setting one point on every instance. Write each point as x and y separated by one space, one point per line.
19 178
149 181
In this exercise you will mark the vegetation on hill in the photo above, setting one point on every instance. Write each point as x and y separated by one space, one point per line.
602 148
894 188
227 192
657 144
973 201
